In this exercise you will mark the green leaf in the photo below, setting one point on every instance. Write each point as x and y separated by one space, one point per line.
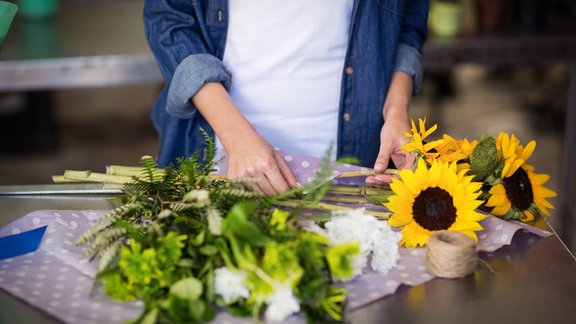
209 250
185 263
239 311
150 317
187 289
237 222
378 200
199 239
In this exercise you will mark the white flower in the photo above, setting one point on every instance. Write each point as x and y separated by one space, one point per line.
198 196
347 226
230 284
282 303
374 237
385 252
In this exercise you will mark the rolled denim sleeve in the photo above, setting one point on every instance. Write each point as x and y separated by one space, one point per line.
412 37
189 77
409 60
177 35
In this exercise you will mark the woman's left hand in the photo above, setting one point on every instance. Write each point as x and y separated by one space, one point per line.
392 139
392 136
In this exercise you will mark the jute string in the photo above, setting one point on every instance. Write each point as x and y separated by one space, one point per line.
451 254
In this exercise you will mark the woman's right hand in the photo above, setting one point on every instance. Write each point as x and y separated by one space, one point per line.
250 155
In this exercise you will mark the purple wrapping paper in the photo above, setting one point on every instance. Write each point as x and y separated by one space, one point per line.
56 280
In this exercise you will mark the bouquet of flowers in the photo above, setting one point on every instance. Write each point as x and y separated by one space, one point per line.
188 243
453 178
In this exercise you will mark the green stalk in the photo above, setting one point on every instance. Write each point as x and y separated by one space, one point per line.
366 173
346 200
326 207
95 177
62 179
358 191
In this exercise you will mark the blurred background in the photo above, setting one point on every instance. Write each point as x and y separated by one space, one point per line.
77 83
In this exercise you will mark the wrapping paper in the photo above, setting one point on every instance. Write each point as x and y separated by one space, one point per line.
56 280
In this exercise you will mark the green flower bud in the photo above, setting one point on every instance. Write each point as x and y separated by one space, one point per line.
484 158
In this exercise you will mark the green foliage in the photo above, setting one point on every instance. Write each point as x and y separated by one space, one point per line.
340 260
237 223
178 225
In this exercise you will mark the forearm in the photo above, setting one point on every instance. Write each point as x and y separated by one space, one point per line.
249 155
216 106
398 97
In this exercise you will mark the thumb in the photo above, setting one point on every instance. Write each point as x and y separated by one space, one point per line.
383 158
380 166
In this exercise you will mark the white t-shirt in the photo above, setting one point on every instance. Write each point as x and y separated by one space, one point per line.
286 58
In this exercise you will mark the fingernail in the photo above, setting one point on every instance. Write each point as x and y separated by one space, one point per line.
379 167
371 181
378 180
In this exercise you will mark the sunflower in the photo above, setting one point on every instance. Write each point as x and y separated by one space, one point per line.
417 144
520 193
452 150
429 200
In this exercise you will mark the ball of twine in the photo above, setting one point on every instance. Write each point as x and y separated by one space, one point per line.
451 254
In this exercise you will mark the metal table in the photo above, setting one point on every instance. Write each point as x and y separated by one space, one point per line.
88 44
529 286
102 43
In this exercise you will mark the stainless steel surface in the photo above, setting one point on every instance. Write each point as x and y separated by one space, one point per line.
534 285
78 72
88 44
57 189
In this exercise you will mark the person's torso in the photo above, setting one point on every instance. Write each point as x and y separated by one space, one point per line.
375 30
286 59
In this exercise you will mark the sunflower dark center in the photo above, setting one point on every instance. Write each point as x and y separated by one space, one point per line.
519 190
433 209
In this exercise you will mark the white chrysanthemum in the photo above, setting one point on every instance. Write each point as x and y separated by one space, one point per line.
230 284
348 226
385 252
282 303
373 236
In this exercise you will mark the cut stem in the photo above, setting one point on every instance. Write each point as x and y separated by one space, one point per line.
366 173
95 177
326 207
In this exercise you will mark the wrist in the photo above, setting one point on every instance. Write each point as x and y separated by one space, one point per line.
238 134
396 111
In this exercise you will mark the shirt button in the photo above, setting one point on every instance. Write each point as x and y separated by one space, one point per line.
349 70
346 117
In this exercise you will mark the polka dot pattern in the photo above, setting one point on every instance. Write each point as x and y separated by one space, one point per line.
55 279
52 280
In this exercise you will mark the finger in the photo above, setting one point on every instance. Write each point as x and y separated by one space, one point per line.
261 183
266 187
276 180
380 179
403 159
233 174
383 158
285 170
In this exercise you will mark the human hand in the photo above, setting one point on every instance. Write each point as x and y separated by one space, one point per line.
252 156
392 139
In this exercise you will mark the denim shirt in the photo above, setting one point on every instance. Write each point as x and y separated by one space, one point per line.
188 38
